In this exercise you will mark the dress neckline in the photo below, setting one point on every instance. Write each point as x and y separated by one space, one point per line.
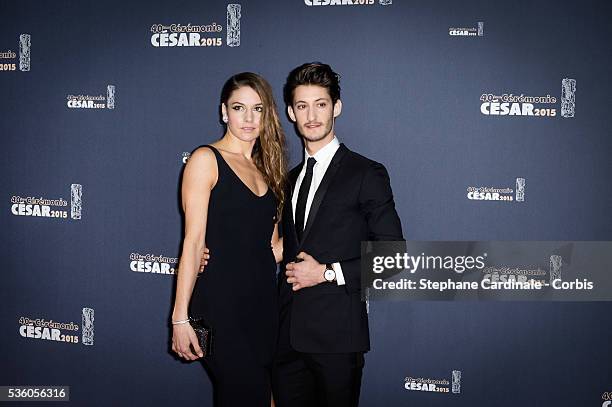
238 177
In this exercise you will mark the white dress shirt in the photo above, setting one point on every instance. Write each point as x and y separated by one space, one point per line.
323 158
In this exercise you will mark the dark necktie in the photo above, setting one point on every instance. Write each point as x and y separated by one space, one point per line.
300 207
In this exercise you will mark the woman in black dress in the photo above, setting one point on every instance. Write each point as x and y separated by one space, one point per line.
232 195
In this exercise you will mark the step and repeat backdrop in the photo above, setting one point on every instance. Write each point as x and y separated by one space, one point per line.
492 119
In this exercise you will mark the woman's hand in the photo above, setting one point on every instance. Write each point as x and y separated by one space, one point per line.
204 259
183 338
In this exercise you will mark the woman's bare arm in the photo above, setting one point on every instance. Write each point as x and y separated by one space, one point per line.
199 178
277 245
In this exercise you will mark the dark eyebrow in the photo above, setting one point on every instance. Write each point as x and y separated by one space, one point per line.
317 100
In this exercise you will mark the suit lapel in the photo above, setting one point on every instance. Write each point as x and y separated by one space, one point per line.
322 190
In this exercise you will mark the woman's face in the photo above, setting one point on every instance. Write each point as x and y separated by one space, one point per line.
243 111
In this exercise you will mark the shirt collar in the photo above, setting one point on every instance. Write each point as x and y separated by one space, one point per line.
325 153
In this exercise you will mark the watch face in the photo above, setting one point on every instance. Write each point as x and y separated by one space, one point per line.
330 275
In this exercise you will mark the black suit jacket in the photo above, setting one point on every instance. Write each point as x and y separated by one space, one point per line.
353 203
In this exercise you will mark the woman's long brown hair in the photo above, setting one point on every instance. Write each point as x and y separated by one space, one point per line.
269 153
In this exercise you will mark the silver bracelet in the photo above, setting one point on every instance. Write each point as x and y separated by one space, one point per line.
184 321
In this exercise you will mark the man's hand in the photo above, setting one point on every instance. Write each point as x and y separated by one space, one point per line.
204 259
306 273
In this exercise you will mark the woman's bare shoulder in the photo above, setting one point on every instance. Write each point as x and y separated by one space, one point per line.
202 156
202 165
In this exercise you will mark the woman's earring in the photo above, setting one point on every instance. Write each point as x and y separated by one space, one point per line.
224 119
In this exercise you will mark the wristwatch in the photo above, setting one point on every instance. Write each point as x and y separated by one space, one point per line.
329 274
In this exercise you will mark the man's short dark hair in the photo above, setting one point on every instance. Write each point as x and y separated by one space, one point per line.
312 73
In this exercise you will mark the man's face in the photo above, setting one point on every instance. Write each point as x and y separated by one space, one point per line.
313 112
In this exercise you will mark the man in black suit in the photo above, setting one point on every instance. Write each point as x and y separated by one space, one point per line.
336 198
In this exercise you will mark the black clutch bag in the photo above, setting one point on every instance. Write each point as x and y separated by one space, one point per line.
204 334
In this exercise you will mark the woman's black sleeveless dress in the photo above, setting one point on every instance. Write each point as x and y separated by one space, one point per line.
236 294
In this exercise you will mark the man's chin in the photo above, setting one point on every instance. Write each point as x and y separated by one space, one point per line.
313 137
